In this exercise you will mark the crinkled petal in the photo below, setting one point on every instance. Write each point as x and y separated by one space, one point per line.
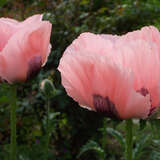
86 76
92 43
8 27
25 51
142 58
33 19
110 37
9 21
6 31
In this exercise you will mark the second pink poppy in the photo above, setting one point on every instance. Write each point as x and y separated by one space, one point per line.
116 75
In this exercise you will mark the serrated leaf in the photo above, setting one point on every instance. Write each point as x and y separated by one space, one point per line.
116 134
92 145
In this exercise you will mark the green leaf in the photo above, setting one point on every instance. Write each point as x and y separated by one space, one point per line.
140 145
3 2
155 124
52 121
154 155
92 145
142 124
156 145
4 99
116 134
155 148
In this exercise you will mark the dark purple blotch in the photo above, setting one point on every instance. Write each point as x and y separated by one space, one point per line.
2 80
105 106
144 91
34 66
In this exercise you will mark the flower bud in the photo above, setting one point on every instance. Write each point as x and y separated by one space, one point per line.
47 87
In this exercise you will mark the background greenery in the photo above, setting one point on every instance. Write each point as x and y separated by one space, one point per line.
77 134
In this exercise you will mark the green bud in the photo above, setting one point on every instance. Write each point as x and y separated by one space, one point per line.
47 87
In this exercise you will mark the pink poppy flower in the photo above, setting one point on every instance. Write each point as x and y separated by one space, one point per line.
24 47
115 75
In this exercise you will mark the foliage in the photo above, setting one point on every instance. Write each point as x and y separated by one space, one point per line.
74 130
92 145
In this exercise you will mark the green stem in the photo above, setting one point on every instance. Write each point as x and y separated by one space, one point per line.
47 129
13 124
129 142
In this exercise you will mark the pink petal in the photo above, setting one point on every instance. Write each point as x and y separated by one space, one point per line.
7 29
116 83
144 62
110 37
9 21
149 33
39 40
23 48
76 83
89 41
9 26
85 73
29 21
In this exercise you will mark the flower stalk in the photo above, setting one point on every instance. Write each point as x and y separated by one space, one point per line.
13 148
129 141
47 130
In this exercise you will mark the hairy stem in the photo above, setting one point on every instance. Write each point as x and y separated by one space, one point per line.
13 151
129 142
47 130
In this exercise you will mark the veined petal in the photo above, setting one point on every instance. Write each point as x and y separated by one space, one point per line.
90 76
93 44
30 21
144 62
25 49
